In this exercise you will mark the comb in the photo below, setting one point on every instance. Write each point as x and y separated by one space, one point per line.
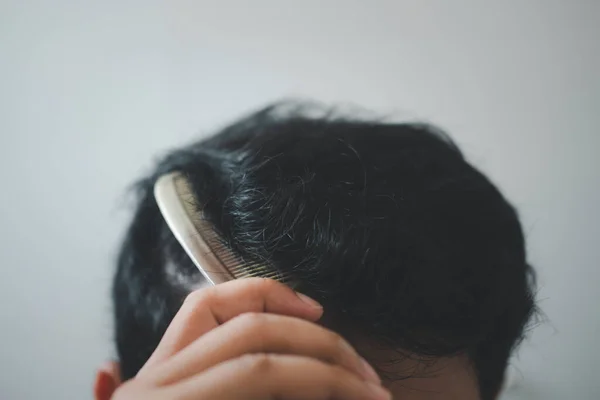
207 249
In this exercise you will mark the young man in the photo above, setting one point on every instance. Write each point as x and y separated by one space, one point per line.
417 259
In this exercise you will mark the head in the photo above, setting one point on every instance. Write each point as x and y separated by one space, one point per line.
417 257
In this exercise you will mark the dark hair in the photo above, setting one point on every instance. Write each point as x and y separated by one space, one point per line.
385 223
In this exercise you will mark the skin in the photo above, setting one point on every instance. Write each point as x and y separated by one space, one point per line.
258 339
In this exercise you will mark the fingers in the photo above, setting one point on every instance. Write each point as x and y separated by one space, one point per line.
205 309
271 351
261 333
271 376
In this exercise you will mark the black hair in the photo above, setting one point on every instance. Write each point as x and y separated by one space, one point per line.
385 223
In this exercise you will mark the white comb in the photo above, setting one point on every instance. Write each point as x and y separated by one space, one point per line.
203 245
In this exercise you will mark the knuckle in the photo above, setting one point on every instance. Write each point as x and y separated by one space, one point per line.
263 285
253 329
194 304
251 322
259 363
197 298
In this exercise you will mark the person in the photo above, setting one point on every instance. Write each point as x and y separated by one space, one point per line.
409 264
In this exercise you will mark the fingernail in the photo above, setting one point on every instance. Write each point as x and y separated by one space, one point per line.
307 300
369 373
378 392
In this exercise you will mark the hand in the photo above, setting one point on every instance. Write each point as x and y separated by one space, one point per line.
252 339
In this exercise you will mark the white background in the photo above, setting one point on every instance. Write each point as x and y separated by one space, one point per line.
90 92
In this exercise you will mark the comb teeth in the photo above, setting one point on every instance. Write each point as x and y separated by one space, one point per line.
210 253
236 265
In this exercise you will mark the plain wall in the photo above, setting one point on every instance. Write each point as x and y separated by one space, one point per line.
91 92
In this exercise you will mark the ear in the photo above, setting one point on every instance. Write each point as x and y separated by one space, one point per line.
108 379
